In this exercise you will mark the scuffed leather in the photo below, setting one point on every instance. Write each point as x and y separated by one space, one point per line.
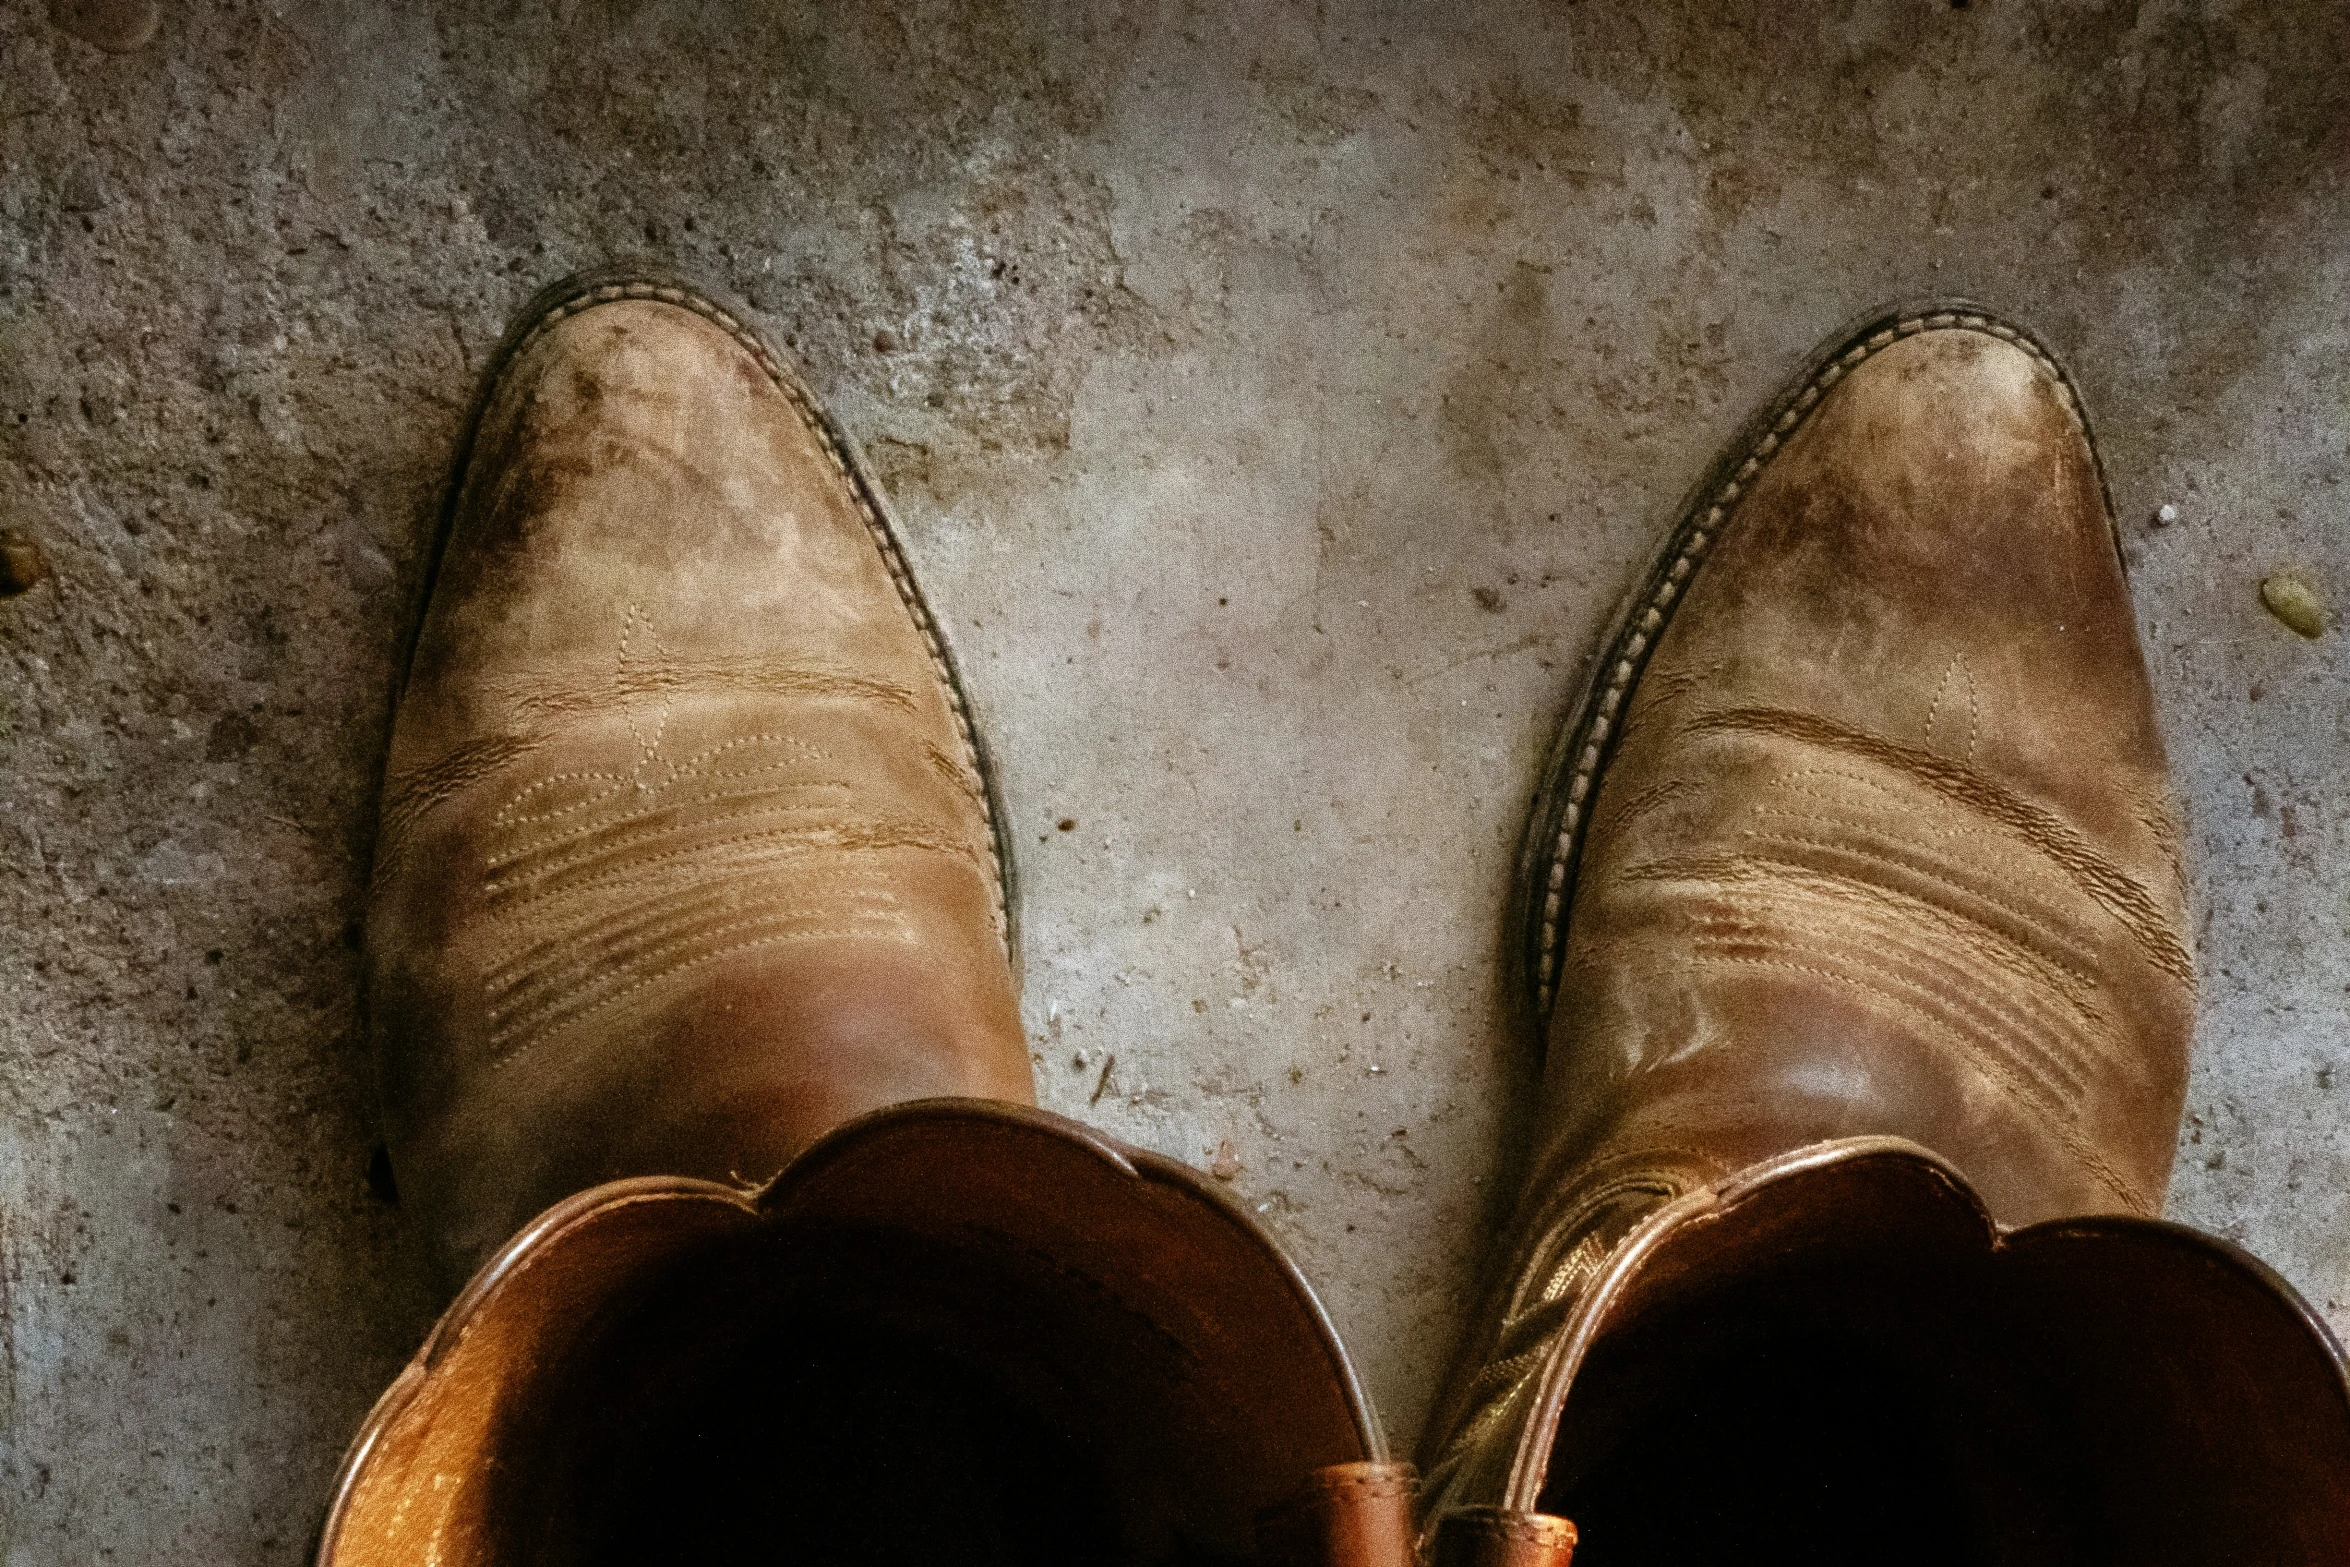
685 857
1884 847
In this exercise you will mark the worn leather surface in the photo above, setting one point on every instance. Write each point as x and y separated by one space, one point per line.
1863 832
685 856
1885 845
672 1370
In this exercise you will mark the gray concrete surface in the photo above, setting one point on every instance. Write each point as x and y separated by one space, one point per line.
1277 396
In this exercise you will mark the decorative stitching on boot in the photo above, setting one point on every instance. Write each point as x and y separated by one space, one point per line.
2107 884
803 401
1700 527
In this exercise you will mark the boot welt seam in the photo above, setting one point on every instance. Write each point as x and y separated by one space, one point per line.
1552 851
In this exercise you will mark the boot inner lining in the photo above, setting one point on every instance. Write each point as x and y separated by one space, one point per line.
860 1395
1845 1368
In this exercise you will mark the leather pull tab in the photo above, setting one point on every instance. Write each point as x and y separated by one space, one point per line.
1347 1515
1502 1537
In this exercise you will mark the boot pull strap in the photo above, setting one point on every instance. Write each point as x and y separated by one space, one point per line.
1347 1515
1502 1537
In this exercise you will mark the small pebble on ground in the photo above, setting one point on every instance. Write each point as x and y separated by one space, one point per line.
21 564
2294 600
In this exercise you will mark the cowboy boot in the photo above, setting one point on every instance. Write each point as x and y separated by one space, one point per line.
1852 918
686 859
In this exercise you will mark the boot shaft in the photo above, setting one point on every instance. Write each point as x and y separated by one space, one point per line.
1837 1355
950 1331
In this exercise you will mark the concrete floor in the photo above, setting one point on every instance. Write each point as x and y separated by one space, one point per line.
1277 398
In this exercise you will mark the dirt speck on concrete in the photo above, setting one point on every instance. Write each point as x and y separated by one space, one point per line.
22 564
2296 601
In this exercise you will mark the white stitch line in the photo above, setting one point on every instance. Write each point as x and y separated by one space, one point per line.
802 401
1685 563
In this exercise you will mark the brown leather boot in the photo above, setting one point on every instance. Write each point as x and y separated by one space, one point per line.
686 855
687 859
1853 892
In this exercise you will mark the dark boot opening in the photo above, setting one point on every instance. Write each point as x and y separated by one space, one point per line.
1850 1368
845 1442
853 1396
955 1332
1861 1429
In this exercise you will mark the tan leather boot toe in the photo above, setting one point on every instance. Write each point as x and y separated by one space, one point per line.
686 855
1878 838
1852 914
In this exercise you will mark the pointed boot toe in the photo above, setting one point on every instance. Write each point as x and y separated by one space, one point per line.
1878 836
1860 853
686 855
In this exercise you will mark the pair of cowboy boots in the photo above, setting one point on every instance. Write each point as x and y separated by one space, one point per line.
1851 915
